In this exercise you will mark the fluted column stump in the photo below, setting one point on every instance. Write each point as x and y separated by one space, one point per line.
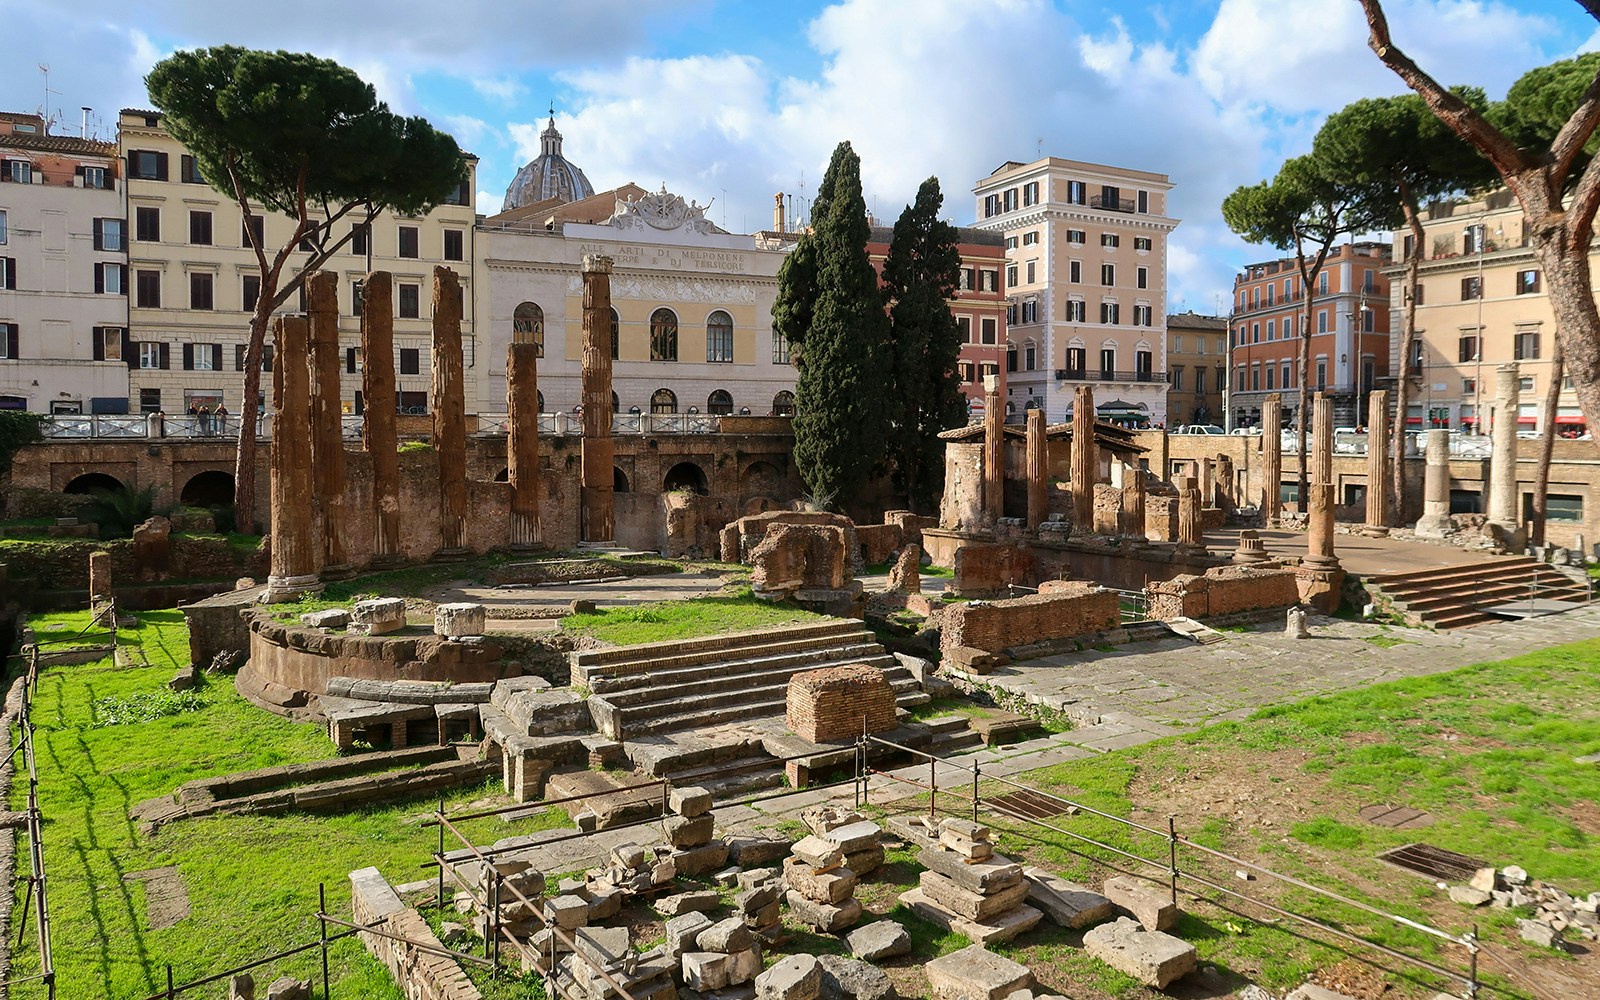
598 468
1319 521
294 554
1131 518
327 419
1084 464
449 413
1378 463
1272 460
378 433
1038 470
522 443
994 451
1435 521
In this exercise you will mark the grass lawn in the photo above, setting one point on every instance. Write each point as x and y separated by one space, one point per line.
251 881
664 620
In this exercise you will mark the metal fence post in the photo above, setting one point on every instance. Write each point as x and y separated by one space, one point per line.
1472 964
933 787
322 931
441 852
170 992
1172 856
496 926
974 790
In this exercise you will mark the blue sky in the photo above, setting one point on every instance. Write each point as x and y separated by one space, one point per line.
733 100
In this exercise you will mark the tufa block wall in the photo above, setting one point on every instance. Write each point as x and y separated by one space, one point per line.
1223 590
1062 614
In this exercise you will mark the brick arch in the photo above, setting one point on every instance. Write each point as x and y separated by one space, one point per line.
92 482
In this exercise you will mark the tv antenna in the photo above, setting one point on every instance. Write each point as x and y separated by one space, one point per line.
44 68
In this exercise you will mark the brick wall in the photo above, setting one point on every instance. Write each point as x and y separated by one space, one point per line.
995 625
1224 590
832 704
420 975
988 569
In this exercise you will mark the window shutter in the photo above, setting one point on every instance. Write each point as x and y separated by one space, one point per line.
350 360
128 354
99 232
238 357
122 272
188 357
99 343
133 158
166 356
161 166
216 357
11 341
99 275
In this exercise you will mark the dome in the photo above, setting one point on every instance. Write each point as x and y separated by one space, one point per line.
548 176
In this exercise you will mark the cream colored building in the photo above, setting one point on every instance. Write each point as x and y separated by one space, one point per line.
1086 280
63 301
193 278
1481 302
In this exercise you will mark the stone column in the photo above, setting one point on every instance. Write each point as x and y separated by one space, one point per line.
1038 470
1208 490
1503 506
1131 522
599 475
1190 535
1435 521
99 575
1378 462
294 554
994 451
1319 522
449 412
522 443
1272 460
1083 459
378 433
327 432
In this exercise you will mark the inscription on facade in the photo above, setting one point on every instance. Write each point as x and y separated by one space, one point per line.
668 258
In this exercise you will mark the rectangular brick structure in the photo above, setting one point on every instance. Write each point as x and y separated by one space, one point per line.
996 625
840 703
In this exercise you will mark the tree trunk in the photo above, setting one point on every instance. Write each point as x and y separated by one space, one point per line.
1408 337
244 467
1547 446
1567 280
1303 366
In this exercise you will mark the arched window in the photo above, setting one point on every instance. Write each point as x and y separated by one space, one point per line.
720 401
663 401
527 325
783 404
616 333
719 337
663 336
541 402
616 404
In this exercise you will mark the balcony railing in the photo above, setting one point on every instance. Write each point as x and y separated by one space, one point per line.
149 425
1278 303
1114 204
1106 375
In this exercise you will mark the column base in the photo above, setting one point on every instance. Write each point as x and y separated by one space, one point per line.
387 560
343 571
1322 564
451 554
1375 530
288 588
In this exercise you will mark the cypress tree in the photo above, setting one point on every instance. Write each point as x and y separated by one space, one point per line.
920 274
843 388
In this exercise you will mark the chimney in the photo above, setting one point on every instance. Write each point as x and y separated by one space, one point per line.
777 212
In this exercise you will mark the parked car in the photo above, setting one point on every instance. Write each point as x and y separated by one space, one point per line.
1244 431
1200 429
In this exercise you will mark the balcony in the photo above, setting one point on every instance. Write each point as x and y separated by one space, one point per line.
1279 303
1127 205
143 425
1106 375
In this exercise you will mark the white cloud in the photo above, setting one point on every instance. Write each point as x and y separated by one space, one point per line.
502 90
470 133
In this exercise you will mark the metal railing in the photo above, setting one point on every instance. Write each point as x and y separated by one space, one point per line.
143 426
1107 375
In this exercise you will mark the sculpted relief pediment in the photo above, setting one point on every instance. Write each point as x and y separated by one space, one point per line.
662 211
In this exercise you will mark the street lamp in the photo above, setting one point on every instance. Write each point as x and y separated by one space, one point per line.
1358 326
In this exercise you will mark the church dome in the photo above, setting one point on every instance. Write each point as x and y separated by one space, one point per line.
548 176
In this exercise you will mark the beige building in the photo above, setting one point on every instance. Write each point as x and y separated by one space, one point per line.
193 281
63 279
1197 368
1481 303
1086 280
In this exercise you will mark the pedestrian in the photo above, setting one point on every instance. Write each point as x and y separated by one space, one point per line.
221 415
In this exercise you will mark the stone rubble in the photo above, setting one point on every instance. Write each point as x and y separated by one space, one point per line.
1152 957
969 889
821 890
1557 915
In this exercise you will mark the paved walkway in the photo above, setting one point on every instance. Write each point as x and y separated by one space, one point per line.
1359 554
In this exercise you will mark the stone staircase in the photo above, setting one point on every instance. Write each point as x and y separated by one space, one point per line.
1457 596
667 687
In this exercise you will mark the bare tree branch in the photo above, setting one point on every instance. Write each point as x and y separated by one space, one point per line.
1569 142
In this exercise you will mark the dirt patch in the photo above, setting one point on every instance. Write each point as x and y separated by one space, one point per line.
166 901
1356 980
1585 816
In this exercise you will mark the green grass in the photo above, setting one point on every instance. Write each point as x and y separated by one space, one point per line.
252 880
940 572
666 620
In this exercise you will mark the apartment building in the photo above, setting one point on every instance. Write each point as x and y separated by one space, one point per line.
1197 368
979 308
63 273
194 281
1349 348
1481 302
1085 282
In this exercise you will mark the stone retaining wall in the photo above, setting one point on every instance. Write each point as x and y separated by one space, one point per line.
1223 590
420 975
995 625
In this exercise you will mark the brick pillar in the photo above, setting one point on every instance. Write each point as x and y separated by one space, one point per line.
327 432
598 468
1272 460
1131 522
449 412
294 554
1319 523
1038 470
994 450
1083 460
1435 521
1503 506
1378 462
522 443
378 434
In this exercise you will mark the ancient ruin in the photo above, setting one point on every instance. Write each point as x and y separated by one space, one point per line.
598 471
378 433
449 413
294 553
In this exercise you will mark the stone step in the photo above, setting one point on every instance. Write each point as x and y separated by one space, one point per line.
733 640
948 743
749 689
620 690
773 703
733 683
1470 585
945 724
1485 595
1488 567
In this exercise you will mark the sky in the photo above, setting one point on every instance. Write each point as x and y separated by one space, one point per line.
729 101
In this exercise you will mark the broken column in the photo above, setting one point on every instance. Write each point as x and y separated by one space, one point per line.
1378 463
1191 533
1207 485
1131 521
1272 460
449 412
1319 522
598 472
522 442
994 451
99 575
1083 459
821 889
969 889
294 555
1038 470
378 416
689 830
1435 521
327 418
1503 512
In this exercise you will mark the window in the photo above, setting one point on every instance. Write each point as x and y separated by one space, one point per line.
1467 349
1472 239
1077 192
1143 315
1199 381
1077 237
200 228
149 400
1144 366
1527 282
454 244
410 301
987 329
1322 375
1009 200
1143 202
1077 362
1469 386
310 240
1076 311
1030 356
963 324
358 295
1286 375
249 292
1270 378
107 342
1110 312
94 177
1011 314
1032 265
9 335
1255 378
408 241
153 354
1030 311
989 280
1471 288
783 404
147 165
1108 363
991 205
1011 357
1322 283
251 232
1272 330
1111 240
1110 197
1525 347
361 239
1525 383
664 340
1030 193
1108 274
5 233
111 279
720 402
1011 276
352 361
411 401
17 172
1141 243
663 401
966 279
410 361
1177 378
108 234
461 194
147 289
189 171
527 326
1075 271
1255 333
1030 239
1322 321
780 343
1142 277
202 357
719 340
147 224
